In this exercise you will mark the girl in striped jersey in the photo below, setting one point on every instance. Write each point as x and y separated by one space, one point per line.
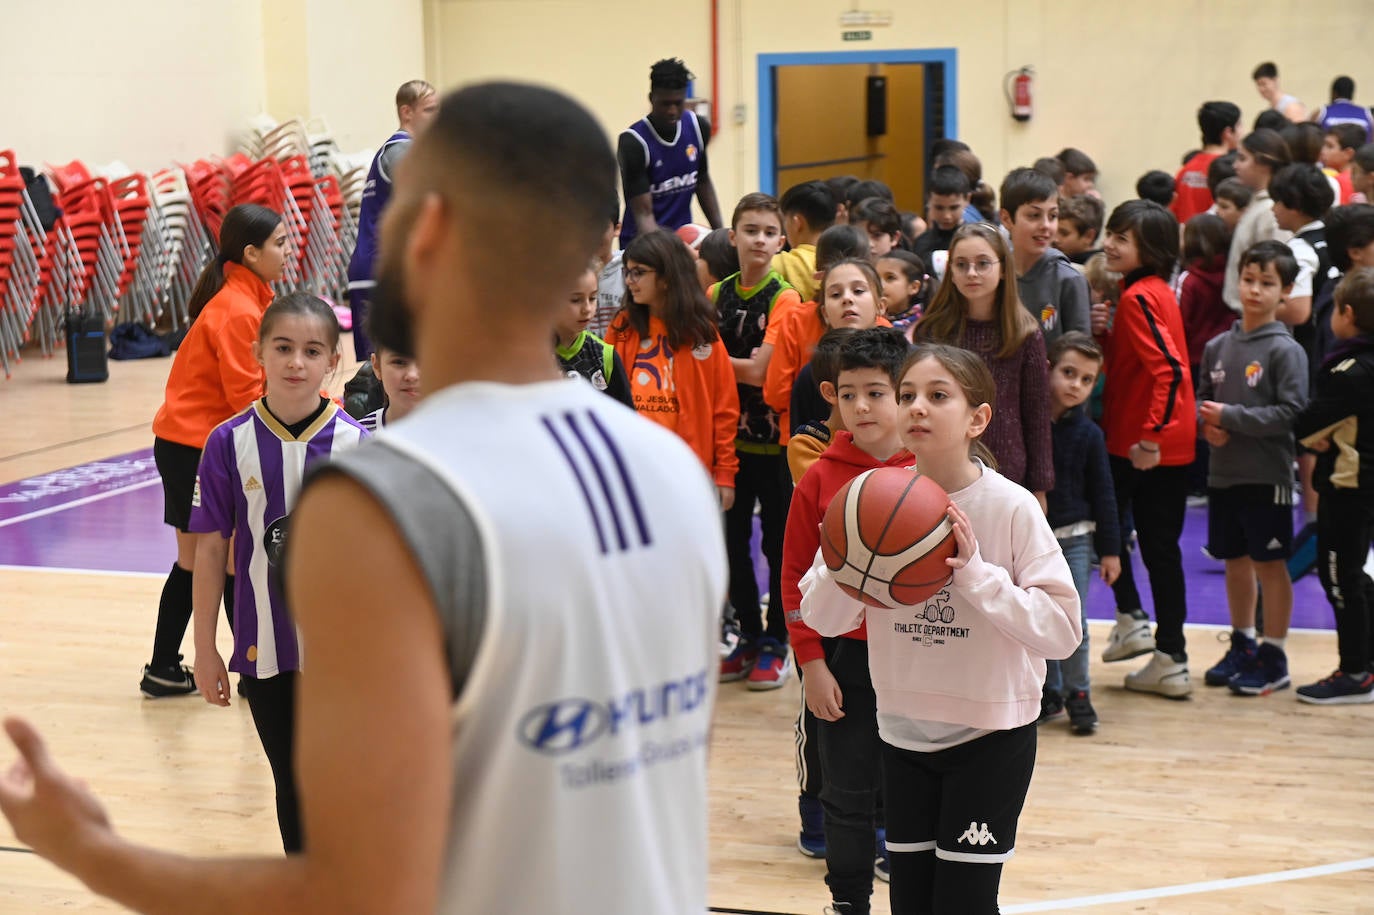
250 475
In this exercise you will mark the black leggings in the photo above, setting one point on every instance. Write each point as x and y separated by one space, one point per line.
273 704
1157 499
1345 526
763 478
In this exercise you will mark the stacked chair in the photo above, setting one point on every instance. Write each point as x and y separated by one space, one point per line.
128 247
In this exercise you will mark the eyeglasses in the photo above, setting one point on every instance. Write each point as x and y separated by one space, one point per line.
980 267
635 274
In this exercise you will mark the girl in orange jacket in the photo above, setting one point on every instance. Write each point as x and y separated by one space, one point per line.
213 377
680 373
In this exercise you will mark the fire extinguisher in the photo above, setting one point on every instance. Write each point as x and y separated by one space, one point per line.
1018 89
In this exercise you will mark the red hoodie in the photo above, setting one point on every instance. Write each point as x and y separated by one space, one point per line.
1205 312
837 465
1149 392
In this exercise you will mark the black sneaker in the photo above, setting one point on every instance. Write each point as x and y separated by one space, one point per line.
1082 716
1051 705
167 681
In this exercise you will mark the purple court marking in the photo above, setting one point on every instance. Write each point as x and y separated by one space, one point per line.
101 516
107 516
1205 579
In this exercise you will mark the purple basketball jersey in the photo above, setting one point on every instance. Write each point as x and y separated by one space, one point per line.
249 479
672 174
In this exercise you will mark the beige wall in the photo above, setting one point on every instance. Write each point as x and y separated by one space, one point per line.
150 82
146 83
1121 81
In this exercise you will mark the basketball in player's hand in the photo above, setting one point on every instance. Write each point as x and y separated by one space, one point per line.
886 536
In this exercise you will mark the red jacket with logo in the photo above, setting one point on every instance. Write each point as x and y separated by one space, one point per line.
1149 390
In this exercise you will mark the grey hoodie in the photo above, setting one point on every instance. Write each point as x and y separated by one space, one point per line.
1262 378
1056 295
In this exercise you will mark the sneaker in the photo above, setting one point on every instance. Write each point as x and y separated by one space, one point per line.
1264 672
1082 716
840 908
729 634
739 662
1051 705
1130 637
167 681
811 839
1165 675
1241 653
1339 689
772 667
882 868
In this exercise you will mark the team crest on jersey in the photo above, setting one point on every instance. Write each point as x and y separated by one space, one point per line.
1253 373
691 152
274 541
1047 315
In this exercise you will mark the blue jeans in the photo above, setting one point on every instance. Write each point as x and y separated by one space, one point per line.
1071 674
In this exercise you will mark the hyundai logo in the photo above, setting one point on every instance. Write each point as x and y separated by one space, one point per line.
562 727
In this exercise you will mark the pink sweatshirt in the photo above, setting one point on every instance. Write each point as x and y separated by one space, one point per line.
974 654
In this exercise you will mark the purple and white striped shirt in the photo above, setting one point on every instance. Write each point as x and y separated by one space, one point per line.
249 478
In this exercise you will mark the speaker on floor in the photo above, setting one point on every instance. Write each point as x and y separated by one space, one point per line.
86 359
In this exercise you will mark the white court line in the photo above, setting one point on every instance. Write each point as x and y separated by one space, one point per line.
1188 889
84 500
65 571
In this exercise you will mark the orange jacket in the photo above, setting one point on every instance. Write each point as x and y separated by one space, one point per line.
708 401
799 330
214 374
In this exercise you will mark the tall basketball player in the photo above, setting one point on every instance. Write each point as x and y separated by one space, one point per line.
416 105
473 736
662 159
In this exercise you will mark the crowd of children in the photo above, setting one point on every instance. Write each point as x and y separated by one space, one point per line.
1071 375
1145 354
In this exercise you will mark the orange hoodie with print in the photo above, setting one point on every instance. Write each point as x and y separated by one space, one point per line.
693 390
214 374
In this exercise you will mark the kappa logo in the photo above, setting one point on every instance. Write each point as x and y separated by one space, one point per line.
977 835
252 485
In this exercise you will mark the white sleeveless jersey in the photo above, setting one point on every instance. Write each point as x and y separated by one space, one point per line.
581 727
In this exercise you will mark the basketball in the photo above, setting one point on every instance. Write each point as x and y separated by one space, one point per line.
886 536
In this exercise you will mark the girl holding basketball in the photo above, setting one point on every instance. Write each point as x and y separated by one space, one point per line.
958 679
680 373
976 307
249 476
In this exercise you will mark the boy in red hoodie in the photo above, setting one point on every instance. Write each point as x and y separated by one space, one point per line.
835 678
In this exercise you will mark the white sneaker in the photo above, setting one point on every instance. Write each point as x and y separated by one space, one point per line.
1163 675
1130 638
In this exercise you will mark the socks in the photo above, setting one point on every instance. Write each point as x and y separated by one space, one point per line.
173 613
1248 631
1280 644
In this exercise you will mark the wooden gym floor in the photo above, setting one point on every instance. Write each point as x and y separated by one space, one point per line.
1213 806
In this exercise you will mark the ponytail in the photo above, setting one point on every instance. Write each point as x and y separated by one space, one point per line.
244 225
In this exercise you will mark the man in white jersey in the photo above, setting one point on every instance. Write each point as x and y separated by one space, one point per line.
507 710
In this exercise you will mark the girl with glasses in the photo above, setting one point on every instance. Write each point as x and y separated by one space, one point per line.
977 308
